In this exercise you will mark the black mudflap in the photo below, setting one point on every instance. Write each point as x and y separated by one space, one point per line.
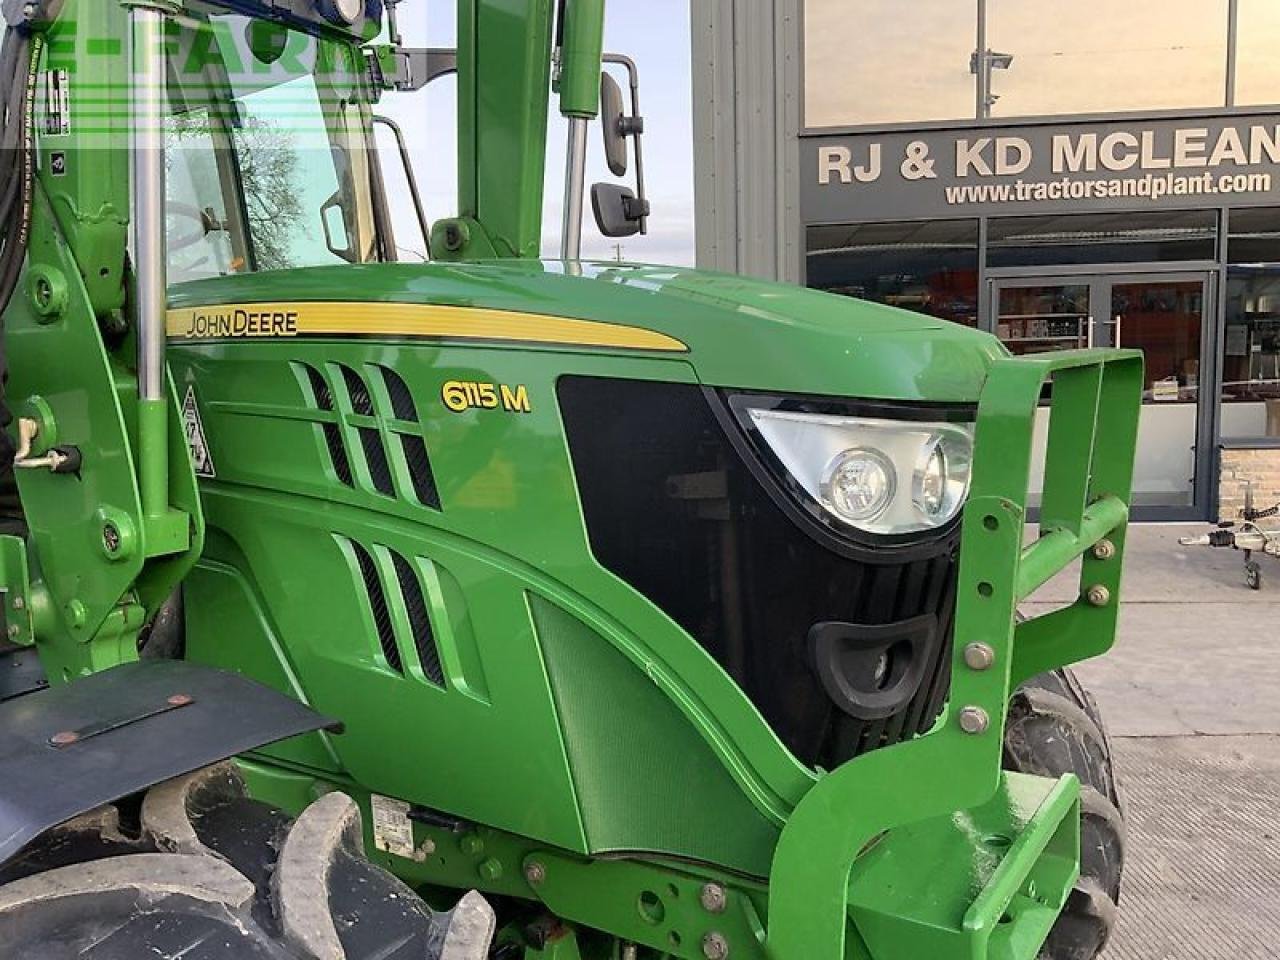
69 749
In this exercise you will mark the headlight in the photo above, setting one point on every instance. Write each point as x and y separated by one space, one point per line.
878 476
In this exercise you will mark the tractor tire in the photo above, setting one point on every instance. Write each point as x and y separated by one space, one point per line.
201 871
1054 727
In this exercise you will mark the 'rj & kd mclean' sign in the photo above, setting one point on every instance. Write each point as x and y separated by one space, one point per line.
1231 161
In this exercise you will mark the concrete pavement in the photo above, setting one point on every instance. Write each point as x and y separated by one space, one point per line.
1191 695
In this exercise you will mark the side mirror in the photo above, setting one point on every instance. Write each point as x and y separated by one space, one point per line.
267 40
612 119
618 127
618 213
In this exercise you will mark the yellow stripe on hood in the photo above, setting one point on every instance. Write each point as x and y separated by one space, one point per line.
429 321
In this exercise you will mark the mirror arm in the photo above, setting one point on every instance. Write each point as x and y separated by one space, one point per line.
633 127
412 180
407 69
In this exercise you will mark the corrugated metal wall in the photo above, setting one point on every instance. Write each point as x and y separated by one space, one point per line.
746 121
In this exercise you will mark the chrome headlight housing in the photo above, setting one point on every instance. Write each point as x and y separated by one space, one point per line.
876 475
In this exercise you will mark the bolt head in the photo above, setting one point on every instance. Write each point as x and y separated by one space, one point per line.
974 720
1098 595
712 898
715 946
491 869
13 631
534 873
979 656
1104 550
76 613
19 603
111 537
423 850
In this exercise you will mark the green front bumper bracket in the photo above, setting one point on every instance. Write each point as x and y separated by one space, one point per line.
917 796
913 894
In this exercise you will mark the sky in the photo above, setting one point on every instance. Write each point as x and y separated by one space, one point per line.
655 33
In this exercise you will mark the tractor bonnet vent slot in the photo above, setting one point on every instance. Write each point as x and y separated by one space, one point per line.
415 605
378 606
414 447
338 453
319 388
376 457
419 464
322 396
361 402
401 398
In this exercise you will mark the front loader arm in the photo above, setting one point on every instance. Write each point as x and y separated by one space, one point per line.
957 766
115 528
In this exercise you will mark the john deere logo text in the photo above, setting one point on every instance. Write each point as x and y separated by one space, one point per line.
459 395
242 323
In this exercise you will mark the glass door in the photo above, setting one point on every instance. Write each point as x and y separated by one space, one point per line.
1036 316
1162 314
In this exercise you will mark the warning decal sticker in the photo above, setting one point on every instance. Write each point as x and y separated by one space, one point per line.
57 99
392 829
194 429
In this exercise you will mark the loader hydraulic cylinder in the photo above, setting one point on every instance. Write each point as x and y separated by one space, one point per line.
149 254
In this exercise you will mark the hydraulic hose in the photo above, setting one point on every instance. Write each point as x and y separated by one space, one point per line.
19 57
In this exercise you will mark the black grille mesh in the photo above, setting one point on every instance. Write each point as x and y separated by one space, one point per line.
378 607
323 399
401 398
415 605
376 457
338 454
672 508
413 446
419 464
361 402
319 388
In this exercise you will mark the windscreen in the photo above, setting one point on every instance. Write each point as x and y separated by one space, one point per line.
268 157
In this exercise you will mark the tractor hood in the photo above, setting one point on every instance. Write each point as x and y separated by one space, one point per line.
741 333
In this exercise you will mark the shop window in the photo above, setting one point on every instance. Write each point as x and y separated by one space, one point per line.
1099 56
1251 335
883 61
1251 351
929 267
1254 236
1257 67
1095 238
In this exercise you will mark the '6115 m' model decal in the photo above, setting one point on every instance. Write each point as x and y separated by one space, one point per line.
459 395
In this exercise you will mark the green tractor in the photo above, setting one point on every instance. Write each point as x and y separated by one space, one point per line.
548 608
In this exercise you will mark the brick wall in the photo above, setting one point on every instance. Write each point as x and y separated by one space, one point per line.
1239 466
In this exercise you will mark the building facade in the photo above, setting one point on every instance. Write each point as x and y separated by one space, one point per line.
1061 175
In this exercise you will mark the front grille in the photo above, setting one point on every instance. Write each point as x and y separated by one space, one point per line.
672 508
